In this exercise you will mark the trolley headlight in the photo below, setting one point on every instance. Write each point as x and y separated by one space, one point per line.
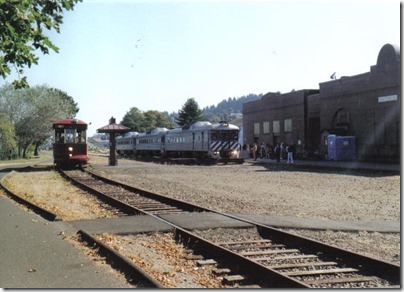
70 155
216 152
70 149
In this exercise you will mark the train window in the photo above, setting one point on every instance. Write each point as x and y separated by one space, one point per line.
59 136
224 135
70 134
81 136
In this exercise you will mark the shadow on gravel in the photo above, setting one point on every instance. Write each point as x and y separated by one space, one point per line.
283 167
27 168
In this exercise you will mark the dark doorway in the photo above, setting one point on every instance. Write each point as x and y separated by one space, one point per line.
313 134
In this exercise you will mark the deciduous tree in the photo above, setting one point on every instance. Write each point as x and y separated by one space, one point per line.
7 136
32 111
140 121
23 24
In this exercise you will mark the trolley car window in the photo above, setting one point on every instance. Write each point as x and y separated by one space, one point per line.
70 135
81 136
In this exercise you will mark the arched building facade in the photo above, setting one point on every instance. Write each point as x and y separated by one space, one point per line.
366 106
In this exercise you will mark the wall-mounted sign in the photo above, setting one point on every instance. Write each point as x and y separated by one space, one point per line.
387 98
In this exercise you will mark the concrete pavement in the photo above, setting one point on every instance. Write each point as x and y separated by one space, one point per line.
33 254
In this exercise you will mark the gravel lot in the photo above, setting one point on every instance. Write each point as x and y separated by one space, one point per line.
279 190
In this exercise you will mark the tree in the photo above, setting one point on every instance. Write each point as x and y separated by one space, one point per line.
140 121
134 119
7 136
190 113
22 25
32 111
154 119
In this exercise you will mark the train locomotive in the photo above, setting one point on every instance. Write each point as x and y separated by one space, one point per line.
70 143
218 141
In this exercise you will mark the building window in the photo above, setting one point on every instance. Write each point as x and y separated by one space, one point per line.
288 125
256 128
277 127
265 127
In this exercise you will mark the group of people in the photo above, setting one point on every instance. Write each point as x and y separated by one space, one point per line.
278 152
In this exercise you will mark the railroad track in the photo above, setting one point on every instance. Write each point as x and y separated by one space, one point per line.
263 257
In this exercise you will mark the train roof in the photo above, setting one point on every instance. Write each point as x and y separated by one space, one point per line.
201 125
224 126
157 131
204 125
70 124
128 135
154 132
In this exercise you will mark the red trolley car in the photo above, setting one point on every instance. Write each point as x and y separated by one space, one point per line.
70 142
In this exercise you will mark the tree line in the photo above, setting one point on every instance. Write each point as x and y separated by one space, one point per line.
190 113
27 115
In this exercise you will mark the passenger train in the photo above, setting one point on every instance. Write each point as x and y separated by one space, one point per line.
217 141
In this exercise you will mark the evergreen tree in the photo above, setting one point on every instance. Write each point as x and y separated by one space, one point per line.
189 114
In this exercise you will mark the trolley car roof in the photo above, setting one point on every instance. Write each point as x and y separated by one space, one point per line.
70 122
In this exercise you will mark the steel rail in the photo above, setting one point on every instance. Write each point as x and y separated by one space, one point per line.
164 199
367 265
48 215
133 272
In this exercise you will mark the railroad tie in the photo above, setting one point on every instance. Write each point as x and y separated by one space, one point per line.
232 279
193 257
206 262
224 271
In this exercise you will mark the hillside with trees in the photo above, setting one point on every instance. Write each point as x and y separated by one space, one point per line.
228 109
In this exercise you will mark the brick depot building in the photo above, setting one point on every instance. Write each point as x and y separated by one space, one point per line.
366 106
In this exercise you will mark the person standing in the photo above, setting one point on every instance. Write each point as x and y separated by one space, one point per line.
254 151
262 150
278 153
291 150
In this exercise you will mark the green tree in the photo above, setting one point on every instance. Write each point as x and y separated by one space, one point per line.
154 119
140 121
32 111
190 113
22 32
7 136
134 119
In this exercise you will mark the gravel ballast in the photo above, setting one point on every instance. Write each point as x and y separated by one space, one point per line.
283 190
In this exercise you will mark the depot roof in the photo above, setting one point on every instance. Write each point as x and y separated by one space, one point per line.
113 127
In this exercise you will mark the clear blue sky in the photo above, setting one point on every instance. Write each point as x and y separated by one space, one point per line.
154 55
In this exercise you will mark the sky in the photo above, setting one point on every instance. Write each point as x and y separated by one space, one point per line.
156 54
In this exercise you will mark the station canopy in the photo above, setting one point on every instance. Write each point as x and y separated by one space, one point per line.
113 127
